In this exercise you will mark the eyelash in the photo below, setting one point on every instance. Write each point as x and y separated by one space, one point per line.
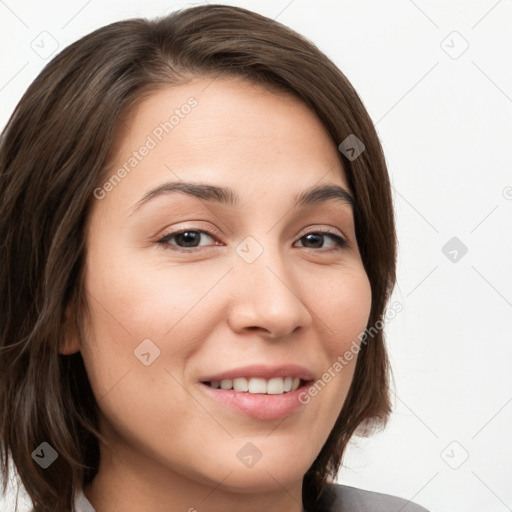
163 242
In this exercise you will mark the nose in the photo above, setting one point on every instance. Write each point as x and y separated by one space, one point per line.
267 297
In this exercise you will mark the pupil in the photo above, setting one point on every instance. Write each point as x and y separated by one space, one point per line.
318 239
188 237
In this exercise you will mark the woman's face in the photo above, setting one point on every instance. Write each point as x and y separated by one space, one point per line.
253 289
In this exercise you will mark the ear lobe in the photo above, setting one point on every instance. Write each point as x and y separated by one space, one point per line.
71 342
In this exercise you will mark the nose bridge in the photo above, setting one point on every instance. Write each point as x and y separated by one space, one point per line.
265 296
260 259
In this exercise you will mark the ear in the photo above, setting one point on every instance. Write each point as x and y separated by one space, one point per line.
71 342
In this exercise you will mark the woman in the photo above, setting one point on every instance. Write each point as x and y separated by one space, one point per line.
198 248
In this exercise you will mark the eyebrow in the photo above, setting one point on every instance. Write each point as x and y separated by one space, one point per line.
225 195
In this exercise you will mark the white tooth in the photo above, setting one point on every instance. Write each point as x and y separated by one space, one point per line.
215 384
288 384
257 385
295 383
275 386
226 384
241 384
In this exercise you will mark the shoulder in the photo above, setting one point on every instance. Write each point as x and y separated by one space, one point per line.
351 499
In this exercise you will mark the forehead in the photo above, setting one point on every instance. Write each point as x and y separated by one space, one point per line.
227 131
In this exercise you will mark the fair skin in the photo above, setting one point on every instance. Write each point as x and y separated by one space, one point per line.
302 301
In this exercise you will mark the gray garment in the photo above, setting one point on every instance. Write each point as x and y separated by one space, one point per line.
350 499
347 499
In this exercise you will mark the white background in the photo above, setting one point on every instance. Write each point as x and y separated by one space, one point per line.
444 117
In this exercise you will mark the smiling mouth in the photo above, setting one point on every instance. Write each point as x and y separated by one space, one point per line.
256 385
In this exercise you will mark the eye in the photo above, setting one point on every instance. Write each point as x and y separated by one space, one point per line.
187 240
316 238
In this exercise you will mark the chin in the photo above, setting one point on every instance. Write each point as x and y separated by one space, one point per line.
262 480
264 469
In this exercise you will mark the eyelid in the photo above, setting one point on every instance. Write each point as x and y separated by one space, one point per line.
314 228
210 230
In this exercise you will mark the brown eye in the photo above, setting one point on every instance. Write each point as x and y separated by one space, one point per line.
183 240
315 240
187 240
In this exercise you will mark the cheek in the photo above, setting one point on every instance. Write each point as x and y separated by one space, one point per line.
346 308
132 302
139 297
133 314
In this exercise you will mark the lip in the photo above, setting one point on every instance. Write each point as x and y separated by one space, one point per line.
258 405
263 372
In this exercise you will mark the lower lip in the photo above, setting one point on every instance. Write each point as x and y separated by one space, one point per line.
258 405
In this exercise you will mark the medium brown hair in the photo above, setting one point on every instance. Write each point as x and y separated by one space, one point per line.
54 152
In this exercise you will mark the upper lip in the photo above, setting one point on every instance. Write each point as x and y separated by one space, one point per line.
263 372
